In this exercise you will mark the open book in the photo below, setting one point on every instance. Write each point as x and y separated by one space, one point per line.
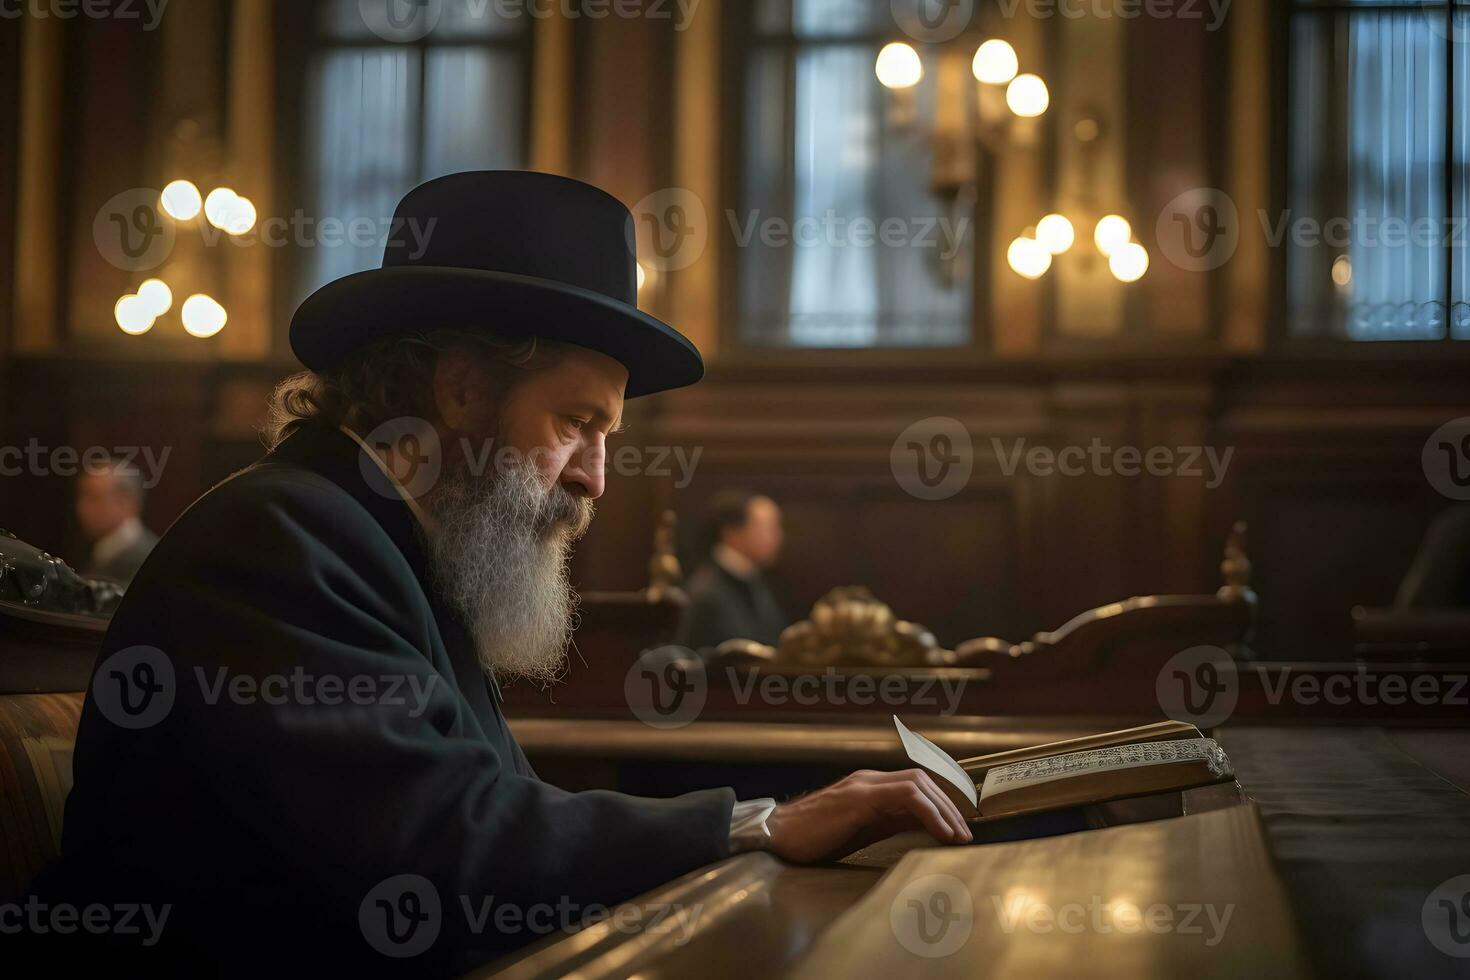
1156 758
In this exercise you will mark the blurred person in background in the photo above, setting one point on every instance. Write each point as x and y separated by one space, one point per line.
728 594
109 512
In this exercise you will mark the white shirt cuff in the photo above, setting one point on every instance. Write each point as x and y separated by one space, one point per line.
748 830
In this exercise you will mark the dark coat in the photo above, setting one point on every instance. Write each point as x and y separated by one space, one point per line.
266 826
723 606
121 567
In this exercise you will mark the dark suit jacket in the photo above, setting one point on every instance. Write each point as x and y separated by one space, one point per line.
723 606
266 826
121 567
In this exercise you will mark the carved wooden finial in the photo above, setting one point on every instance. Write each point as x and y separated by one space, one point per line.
665 576
1236 568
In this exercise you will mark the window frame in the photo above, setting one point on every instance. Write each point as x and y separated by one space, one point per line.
293 99
1279 338
738 36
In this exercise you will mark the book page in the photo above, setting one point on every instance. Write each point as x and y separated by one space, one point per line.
1019 775
926 755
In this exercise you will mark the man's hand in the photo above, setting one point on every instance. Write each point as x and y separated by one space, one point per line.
865 807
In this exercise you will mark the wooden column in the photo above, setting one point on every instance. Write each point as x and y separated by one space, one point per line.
38 226
251 147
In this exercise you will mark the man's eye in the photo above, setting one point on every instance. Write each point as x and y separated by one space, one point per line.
575 423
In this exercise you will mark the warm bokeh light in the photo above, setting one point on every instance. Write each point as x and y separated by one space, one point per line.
1129 262
642 276
1027 96
1112 233
1028 258
203 317
219 207
181 201
132 315
899 66
1055 233
240 216
995 62
157 297
1342 271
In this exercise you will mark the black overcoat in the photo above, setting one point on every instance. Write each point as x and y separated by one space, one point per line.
290 742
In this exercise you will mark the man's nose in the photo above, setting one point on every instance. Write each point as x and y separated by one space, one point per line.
585 473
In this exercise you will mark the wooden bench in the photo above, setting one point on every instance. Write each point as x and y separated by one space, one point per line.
45 660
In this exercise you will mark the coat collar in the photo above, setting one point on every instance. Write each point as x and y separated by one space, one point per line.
334 455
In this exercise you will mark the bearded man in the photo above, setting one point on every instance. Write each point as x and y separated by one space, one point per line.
292 756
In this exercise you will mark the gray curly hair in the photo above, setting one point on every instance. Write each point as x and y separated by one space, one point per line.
391 378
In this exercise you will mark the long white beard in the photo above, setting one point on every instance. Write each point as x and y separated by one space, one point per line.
499 555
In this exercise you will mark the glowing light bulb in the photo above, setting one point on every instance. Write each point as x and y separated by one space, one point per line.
219 207
1056 233
899 66
1027 257
132 314
1112 233
1129 262
181 201
642 276
203 317
995 63
156 296
240 216
1342 271
1027 96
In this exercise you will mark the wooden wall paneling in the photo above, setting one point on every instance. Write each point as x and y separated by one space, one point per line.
10 123
248 275
1167 157
36 305
1248 170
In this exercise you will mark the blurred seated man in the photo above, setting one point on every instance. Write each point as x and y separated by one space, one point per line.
109 510
728 595
1440 575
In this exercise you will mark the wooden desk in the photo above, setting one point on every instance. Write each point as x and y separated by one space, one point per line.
1327 871
755 916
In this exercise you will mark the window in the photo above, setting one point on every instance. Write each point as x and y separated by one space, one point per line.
1378 161
839 242
387 113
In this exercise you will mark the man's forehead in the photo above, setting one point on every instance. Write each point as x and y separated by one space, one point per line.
591 377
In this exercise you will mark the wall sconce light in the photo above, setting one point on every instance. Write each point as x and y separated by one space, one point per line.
181 200
229 212
965 134
1030 255
137 312
202 315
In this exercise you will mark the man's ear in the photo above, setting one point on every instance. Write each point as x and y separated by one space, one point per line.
454 381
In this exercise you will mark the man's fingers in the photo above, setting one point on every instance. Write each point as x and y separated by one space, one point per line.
909 797
951 813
